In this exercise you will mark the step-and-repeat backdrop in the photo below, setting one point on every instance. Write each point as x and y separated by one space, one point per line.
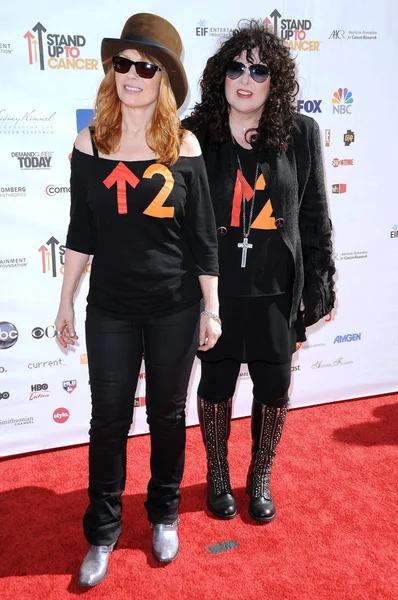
50 70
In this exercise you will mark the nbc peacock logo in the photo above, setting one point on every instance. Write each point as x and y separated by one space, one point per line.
342 101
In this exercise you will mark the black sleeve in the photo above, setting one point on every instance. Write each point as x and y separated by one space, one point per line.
316 232
81 234
200 224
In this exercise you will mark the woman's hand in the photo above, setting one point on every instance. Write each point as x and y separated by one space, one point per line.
209 332
64 324
298 345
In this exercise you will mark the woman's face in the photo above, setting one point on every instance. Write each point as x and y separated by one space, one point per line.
135 91
244 94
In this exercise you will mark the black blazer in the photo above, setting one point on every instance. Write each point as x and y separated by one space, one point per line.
296 186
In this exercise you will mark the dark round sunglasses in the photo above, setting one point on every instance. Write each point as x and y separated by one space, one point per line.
259 73
146 70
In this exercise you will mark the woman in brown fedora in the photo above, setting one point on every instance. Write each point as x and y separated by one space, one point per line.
140 204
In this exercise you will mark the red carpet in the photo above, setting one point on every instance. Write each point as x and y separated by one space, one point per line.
335 535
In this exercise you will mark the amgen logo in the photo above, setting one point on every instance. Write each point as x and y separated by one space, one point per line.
350 337
8 335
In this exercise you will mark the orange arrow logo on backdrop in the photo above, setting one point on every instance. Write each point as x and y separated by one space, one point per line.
120 175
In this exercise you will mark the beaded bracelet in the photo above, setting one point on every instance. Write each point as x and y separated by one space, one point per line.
212 315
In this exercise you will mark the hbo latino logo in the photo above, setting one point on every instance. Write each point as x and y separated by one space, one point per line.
8 335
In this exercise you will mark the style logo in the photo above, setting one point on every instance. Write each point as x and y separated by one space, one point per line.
39 391
293 32
38 332
8 335
350 337
342 101
33 161
394 232
12 192
348 137
52 190
69 386
337 34
309 106
345 162
84 118
61 415
63 50
339 188
327 137
4 395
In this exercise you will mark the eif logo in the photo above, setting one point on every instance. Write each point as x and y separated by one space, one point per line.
63 50
309 106
342 101
350 337
52 257
202 30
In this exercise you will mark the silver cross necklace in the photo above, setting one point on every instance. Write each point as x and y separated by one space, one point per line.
244 245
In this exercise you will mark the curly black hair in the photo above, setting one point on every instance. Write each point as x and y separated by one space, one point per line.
279 111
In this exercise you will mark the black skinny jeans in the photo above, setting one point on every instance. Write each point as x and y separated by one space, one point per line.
115 348
271 381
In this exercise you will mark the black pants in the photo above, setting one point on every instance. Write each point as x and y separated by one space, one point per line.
115 348
270 381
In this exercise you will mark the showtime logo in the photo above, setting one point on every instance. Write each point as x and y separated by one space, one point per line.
350 337
61 415
345 162
342 101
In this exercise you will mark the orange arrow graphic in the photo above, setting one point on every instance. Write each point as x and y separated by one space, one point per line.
120 175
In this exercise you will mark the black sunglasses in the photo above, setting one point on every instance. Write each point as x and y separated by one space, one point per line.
258 73
146 70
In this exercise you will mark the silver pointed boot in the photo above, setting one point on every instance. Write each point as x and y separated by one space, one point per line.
165 545
94 567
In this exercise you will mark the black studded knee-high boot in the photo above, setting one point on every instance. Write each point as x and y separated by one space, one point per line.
267 425
215 423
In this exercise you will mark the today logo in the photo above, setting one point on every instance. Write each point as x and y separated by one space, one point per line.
63 50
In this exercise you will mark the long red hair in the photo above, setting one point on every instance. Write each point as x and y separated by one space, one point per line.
164 136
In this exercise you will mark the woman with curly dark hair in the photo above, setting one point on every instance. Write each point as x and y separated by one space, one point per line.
266 179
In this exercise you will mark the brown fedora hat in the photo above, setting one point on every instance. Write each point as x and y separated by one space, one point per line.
152 35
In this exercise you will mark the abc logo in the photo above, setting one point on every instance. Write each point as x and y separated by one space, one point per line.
60 415
8 335
39 387
39 332
4 395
